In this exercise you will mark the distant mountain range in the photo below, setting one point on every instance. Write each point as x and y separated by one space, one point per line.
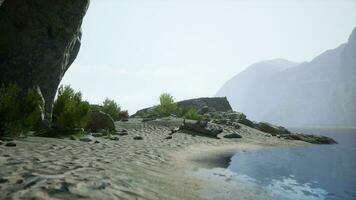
321 92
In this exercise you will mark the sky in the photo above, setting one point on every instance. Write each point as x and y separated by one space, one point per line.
134 50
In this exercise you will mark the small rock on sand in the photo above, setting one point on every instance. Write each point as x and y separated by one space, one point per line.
86 139
138 137
115 138
10 144
168 137
122 132
3 180
97 134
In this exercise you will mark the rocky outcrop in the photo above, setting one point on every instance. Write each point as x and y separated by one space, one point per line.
39 40
209 104
272 129
313 139
202 105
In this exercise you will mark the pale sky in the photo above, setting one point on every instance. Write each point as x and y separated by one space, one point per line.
134 50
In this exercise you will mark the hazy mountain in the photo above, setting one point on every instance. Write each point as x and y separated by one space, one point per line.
320 92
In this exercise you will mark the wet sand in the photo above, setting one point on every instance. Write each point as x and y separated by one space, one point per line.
152 168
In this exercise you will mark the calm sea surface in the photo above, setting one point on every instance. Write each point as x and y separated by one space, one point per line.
314 172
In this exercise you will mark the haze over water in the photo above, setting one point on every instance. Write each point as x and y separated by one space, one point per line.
314 172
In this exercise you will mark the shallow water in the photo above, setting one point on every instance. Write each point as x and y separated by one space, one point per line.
314 172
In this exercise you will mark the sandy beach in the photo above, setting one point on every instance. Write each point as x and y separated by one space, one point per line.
152 168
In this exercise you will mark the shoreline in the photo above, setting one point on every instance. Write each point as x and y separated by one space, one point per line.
152 168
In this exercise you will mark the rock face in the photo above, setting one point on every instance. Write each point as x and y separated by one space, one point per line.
100 120
39 40
319 92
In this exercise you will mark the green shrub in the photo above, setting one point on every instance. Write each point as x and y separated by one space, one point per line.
167 105
69 110
191 113
19 111
112 108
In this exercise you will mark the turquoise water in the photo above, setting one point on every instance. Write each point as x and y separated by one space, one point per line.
315 172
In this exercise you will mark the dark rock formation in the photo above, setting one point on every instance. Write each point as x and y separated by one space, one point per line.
272 129
100 120
202 105
39 40
210 103
232 135
200 128
314 139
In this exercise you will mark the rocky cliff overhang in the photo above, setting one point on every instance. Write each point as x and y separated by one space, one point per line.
39 40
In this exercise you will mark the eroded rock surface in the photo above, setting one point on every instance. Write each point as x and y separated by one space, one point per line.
39 40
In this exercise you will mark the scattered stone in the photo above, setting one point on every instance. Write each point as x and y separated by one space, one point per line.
122 132
115 138
97 134
10 144
237 126
232 135
20 181
168 137
96 142
174 130
100 120
138 137
86 139
3 180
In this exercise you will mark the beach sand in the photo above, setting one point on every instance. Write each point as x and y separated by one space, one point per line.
152 168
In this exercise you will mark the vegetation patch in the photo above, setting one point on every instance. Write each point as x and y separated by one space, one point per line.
19 110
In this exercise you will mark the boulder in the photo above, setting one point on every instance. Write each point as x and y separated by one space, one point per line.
86 139
115 138
168 137
10 144
137 137
39 40
100 120
99 134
